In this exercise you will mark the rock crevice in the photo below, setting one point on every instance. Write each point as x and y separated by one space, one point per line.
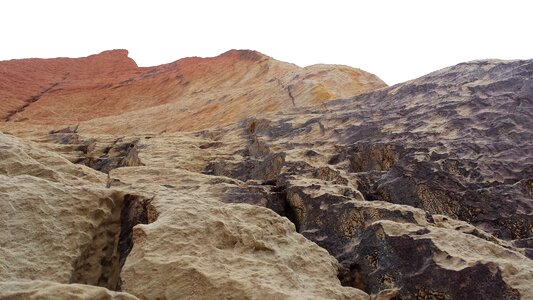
101 262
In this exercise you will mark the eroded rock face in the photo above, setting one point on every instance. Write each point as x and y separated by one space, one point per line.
426 264
431 146
415 256
188 94
434 143
228 250
41 290
103 156
219 251
62 224
464 144
418 191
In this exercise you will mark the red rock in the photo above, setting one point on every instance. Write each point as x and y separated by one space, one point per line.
191 93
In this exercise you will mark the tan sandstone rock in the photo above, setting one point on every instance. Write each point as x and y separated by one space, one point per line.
242 177
44 290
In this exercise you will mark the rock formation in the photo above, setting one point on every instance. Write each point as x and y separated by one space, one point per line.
189 94
242 177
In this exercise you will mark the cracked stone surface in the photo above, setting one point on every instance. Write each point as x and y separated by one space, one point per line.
242 177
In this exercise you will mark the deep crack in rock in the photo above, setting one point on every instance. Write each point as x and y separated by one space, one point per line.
101 262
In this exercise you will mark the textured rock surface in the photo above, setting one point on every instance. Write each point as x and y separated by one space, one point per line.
61 223
41 290
423 190
439 263
191 93
64 225
219 251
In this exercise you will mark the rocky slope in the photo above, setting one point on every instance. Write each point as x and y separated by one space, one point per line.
110 92
241 177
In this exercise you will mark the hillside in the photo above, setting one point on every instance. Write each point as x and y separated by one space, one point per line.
243 177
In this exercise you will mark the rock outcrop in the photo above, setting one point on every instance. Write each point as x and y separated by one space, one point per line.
242 177
115 96
40 290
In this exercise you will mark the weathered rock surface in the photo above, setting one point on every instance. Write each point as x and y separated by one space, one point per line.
42 290
102 156
191 93
221 251
65 226
429 262
423 190
61 223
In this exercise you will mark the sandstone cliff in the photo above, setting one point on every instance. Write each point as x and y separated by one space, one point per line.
112 94
242 177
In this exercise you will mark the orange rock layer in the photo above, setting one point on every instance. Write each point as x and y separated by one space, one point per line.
108 92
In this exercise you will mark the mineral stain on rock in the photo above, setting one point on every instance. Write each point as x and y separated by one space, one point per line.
243 177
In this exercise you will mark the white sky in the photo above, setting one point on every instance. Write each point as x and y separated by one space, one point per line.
396 40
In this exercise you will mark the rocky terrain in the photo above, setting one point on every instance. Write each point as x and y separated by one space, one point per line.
243 177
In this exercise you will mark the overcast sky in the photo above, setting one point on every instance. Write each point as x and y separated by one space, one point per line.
396 40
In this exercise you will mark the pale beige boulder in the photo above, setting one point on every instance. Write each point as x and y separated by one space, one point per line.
48 290
59 222
201 248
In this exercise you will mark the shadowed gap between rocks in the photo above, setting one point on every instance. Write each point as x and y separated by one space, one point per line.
277 199
312 220
279 203
101 262
306 213
98 155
